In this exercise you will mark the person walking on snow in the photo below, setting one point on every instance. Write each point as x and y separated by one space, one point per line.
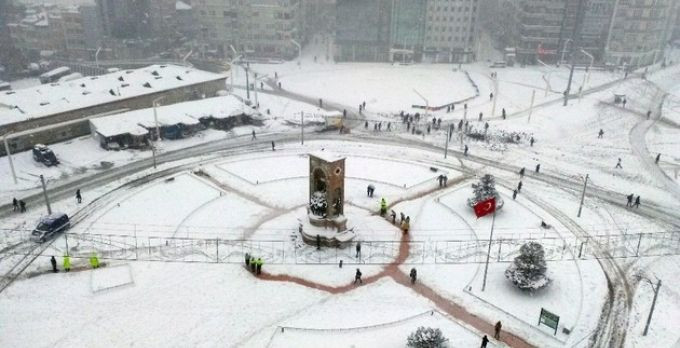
658 157
79 198
254 137
618 164
531 141
503 113
53 261
369 190
480 116
358 250
630 200
519 186
538 167
600 134
253 265
514 194
258 265
22 206
637 202
383 207
465 151
357 277
521 172
15 204
393 215
413 275
497 330
485 341
273 146
247 259
67 263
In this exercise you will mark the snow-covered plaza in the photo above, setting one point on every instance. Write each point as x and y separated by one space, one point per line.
172 232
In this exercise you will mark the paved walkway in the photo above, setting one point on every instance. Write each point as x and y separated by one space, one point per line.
392 271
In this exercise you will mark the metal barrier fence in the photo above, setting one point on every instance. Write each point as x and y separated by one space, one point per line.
130 247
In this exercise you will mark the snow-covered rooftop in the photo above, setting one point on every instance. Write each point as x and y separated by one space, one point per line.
182 6
49 99
327 156
189 113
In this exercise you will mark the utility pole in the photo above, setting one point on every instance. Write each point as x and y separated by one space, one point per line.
488 253
9 157
495 98
247 84
44 189
651 310
446 148
575 40
255 88
583 196
302 127
154 103
531 107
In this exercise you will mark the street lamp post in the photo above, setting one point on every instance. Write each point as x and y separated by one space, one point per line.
427 103
656 294
154 103
44 189
9 157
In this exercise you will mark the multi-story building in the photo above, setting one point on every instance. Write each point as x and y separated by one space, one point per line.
363 30
71 31
540 29
125 19
639 31
263 28
407 30
450 31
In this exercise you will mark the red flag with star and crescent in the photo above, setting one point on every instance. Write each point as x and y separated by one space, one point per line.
485 207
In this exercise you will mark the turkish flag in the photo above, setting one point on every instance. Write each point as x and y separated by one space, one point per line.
485 207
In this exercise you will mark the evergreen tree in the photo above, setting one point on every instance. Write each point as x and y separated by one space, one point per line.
528 270
426 337
485 189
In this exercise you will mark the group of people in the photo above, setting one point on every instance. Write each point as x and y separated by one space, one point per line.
66 264
496 334
442 179
18 205
254 264
404 221
633 201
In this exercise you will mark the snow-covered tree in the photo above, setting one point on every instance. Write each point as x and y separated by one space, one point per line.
318 203
485 189
426 337
528 271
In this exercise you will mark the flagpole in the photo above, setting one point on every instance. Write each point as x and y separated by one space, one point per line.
488 254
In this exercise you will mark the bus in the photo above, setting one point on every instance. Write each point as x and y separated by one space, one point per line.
71 77
54 75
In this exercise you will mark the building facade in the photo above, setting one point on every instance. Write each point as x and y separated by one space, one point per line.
407 30
639 31
363 30
256 28
450 35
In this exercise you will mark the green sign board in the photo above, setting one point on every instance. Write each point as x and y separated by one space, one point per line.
549 319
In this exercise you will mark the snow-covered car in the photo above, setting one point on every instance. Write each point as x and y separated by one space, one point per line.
49 226
43 154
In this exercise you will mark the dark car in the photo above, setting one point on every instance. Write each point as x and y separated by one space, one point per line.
49 226
43 154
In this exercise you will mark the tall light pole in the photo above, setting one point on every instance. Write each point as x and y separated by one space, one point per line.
427 103
656 294
583 196
96 56
231 71
154 103
47 200
9 157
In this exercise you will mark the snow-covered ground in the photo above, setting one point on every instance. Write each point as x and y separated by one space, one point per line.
219 205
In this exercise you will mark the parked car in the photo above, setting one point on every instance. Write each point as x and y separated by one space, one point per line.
49 226
43 154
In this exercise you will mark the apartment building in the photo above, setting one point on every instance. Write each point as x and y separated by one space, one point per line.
256 28
451 31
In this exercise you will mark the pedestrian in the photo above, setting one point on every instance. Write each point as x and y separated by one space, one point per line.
389 126
413 275
460 125
366 125
521 172
393 215
273 146
258 265
408 126
369 190
624 103
262 85
629 202
514 194
439 123
79 198
600 134
364 105
15 204
406 224
618 164
94 261
340 264
497 330
254 137
485 341
491 96
383 206
375 127
519 186
503 113
276 75
22 204
318 242
247 259
280 85
67 263
428 129
465 151
649 114
253 265
481 114
320 102
531 141
658 157
637 202
357 277
358 250
53 261
402 217
538 168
